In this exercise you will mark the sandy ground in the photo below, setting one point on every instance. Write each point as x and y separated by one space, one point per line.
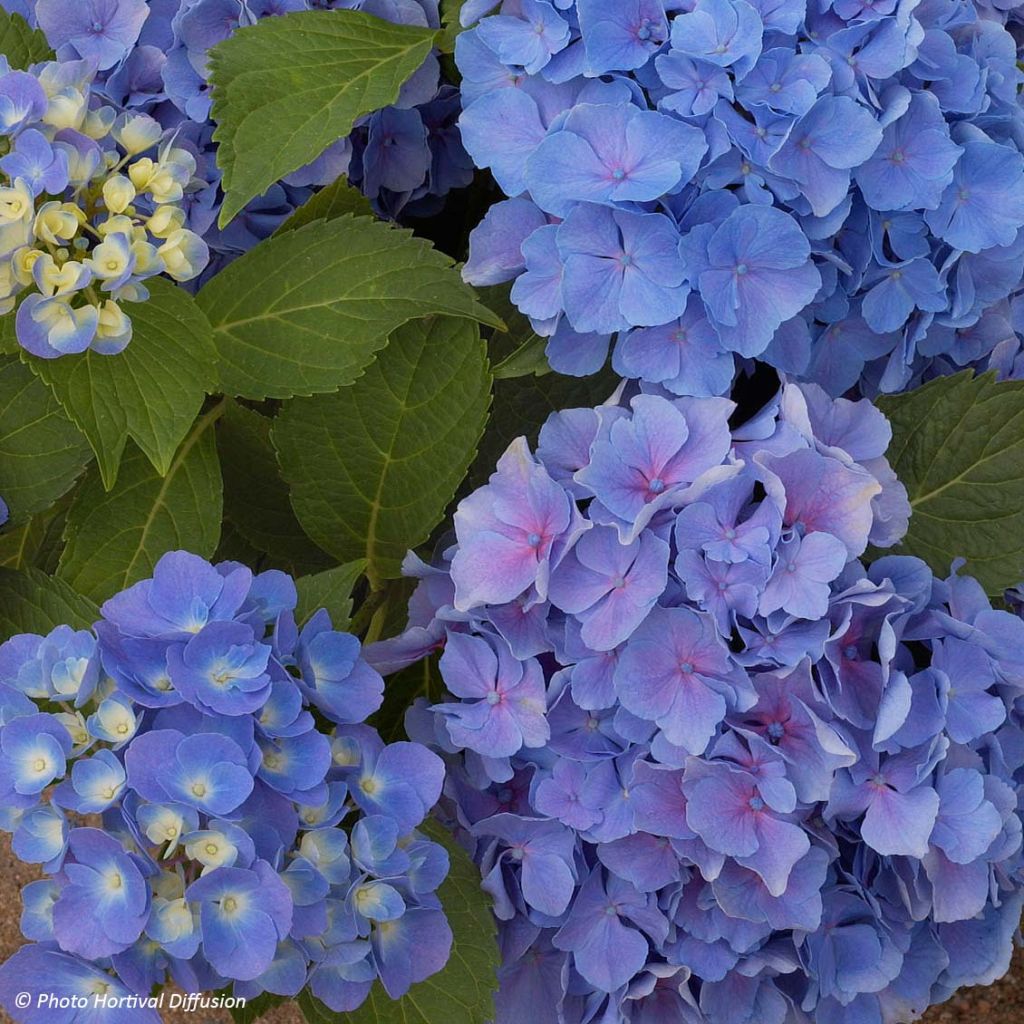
1002 1003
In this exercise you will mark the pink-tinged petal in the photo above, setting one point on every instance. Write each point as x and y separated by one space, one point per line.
652 437
719 811
822 494
695 713
491 569
645 679
899 824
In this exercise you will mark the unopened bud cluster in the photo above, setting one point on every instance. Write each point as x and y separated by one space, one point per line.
91 205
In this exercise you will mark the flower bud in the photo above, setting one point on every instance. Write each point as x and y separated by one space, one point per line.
141 173
67 109
184 254
116 225
98 122
16 203
56 223
23 262
118 193
114 330
136 133
166 220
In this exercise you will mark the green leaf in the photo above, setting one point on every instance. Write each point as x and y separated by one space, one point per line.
37 543
115 538
958 448
21 44
18 546
518 351
256 500
372 467
32 602
305 312
8 336
450 25
330 589
530 359
461 993
329 203
287 88
42 453
150 391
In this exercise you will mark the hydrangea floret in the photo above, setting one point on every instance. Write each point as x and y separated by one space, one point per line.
197 781
713 766
834 189
91 206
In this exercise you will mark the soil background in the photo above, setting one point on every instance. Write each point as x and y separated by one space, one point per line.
1002 1003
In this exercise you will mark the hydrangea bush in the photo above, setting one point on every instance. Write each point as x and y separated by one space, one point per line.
713 766
197 781
837 190
727 736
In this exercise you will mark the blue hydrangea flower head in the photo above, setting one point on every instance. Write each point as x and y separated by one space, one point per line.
223 758
724 751
809 175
